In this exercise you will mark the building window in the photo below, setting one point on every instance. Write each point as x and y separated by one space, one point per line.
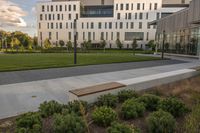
94 36
47 8
43 8
126 25
60 25
62 17
106 35
40 35
118 35
41 17
39 26
116 6
92 25
100 25
143 6
56 8
110 25
131 6
147 36
51 25
141 16
121 25
129 15
70 17
87 25
135 15
158 16
65 7
132 25
127 6
121 7
102 36
116 25
67 26
56 25
140 25
70 36
155 6
49 16
102 2
58 16
77 16
70 8
89 35
82 25
138 6
51 8
61 8
74 7
53 17
56 35
111 35
118 15
183 1
47 25
147 15
50 36
129 36
150 7
83 35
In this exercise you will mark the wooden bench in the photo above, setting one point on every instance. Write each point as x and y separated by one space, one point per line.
91 93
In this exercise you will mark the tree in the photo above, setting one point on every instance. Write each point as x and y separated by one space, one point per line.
15 43
166 46
69 45
35 42
47 44
62 43
119 44
151 44
103 44
134 45
86 45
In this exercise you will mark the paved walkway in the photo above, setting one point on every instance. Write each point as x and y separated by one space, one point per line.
26 96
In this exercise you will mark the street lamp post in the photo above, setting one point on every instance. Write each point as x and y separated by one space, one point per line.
75 41
163 45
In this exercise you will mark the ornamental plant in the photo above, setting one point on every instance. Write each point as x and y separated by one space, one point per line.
173 106
150 101
126 94
77 107
104 116
132 109
108 100
161 122
121 128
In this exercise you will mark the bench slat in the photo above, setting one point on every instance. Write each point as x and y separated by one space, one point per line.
96 89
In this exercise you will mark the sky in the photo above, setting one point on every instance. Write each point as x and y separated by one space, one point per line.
18 15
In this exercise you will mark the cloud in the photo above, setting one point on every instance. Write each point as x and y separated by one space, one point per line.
11 14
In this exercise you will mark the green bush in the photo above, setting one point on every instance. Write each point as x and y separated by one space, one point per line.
161 122
121 128
126 94
173 106
29 123
132 109
69 123
192 124
104 116
108 100
150 101
49 108
78 107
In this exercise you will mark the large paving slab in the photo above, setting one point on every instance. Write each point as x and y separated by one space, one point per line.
22 97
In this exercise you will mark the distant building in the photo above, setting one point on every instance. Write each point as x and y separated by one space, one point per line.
182 30
102 19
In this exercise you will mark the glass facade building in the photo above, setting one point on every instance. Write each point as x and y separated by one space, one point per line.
181 31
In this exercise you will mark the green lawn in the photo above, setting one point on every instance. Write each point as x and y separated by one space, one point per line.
11 62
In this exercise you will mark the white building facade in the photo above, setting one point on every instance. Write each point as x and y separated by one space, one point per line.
98 20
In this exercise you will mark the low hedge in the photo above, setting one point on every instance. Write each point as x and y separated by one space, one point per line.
108 100
132 109
121 128
126 94
150 101
29 123
104 116
161 122
173 106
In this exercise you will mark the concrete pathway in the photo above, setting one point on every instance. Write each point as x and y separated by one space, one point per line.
17 98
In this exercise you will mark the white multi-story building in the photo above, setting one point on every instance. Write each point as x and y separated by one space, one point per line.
100 19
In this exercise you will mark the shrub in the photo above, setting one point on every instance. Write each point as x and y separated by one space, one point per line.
69 123
29 123
126 94
108 100
132 109
78 107
173 106
192 124
49 108
104 116
121 128
150 101
161 122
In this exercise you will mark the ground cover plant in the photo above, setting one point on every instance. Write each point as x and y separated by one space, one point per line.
172 108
